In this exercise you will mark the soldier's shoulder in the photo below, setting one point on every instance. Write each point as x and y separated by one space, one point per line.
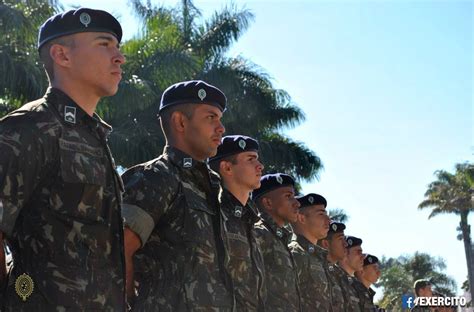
158 171
296 247
31 115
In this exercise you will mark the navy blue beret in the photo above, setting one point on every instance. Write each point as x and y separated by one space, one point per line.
336 227
193 92
312 199
75 21
234 144
270 182
353 241
369 259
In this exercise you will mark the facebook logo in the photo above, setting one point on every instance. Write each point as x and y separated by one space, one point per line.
408 301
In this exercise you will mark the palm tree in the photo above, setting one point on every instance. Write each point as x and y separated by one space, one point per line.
454 193
22 78
338 215
173 47
399 274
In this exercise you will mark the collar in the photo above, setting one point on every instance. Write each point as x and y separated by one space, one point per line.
281 232
307 245
72 114
181 159
234 207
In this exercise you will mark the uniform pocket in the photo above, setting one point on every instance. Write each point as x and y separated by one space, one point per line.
83 172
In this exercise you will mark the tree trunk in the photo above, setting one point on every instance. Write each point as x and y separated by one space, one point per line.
468 248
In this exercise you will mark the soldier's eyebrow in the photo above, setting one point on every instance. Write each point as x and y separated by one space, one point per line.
108 38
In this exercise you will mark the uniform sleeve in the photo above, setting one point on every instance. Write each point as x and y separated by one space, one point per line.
22 158
149 193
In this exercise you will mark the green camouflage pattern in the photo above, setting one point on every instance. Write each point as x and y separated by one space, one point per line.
365 295
245 261
60 208
314 285
351 299
338 299
180 266
280 270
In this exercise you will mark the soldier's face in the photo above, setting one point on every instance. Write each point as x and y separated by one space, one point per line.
203 132
371 273
284 205
247 170
316 221
355 258
95 61
337 246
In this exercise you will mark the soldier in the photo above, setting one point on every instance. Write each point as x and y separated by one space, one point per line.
335 244
59 190
277 203
352 262
237 163
366 277
171 209
311 260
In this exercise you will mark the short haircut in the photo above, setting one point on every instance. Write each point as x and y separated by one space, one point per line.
215 165
45 56
165 116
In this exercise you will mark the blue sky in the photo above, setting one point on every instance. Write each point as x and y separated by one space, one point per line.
386 87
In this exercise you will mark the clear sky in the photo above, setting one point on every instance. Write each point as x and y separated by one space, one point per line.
387 90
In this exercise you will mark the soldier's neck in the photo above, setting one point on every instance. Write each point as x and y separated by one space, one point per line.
331 258
347 268
241 193
365 282
185 148
303 232
85 100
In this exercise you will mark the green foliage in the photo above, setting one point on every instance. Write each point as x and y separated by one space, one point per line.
175 45
399 275
338 215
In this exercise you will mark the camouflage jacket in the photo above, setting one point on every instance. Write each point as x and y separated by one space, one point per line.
280 270
314 286
351 300
366 296
172 204
245 261
337 297
60 209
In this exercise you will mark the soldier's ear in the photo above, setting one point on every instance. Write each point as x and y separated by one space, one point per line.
225 168
267 203
178 121
325 243
301 218
60 55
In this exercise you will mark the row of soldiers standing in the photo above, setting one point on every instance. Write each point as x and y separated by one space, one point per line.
171 234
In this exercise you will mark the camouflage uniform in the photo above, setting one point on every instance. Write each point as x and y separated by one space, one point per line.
310 262
351 300
60 208
366 296
280 270
338 300
245 262
172 203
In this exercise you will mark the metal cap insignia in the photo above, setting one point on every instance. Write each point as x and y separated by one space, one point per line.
334 227
24 286
85 19
202 94
242 144
311 199
349 242
279 179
